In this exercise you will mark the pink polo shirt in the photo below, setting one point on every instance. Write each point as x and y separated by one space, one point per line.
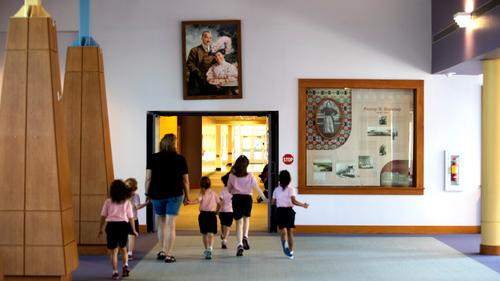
226 202
284 197
208 201
117 211
241 185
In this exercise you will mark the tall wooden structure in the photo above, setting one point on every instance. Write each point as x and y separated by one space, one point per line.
37 237
86 117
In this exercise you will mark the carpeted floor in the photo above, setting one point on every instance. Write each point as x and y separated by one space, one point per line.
345 258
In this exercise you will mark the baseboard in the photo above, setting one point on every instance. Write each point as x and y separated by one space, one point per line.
387 229
143 228
38 278
92 250
489 250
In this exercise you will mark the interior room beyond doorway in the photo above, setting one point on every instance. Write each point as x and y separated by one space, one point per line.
210 145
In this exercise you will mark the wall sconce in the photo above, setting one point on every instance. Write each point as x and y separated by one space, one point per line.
463 19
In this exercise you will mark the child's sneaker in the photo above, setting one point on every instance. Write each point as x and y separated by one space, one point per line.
223 244
284 246
288 253
239 251
208 255
125 271
246 246
115 276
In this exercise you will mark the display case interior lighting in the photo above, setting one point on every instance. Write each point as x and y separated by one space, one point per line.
463 19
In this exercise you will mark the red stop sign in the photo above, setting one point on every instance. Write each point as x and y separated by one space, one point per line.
288 159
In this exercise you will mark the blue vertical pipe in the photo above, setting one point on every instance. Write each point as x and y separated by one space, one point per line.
84 38
84 18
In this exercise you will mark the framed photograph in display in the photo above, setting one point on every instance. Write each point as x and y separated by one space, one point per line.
361 136
211 59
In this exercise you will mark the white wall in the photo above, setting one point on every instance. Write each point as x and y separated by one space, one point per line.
283 40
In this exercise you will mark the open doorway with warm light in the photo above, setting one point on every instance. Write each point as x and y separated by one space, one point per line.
211 142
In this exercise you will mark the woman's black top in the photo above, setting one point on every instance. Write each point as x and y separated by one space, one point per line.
167 171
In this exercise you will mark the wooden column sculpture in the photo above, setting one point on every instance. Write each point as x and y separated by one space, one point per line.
86 117
37 237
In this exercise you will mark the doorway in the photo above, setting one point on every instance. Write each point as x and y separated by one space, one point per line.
210 142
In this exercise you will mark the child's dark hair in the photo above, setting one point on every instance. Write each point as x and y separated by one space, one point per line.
205 182
285 179
225 178
240 166
119 192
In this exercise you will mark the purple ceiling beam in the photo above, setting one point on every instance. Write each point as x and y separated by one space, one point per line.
462 50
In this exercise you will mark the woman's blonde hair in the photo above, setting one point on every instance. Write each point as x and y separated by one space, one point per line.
167 143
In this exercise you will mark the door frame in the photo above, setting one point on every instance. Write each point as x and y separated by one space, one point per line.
273 150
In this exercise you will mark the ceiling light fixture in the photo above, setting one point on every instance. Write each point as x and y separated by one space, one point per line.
463 19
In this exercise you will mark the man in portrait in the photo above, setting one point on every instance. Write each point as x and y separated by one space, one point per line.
200 59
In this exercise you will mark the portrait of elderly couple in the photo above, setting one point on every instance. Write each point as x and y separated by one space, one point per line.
211 59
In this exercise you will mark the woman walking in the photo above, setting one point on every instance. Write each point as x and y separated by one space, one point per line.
167 184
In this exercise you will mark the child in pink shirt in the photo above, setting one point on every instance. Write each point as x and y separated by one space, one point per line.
118 215
207 219
136 205
284 199
241 184
225 212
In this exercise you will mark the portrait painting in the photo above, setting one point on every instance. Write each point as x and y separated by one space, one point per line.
328 118
211 56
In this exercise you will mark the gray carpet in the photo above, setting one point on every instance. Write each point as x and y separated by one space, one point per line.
319 258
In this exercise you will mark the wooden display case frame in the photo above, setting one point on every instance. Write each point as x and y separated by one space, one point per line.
417 86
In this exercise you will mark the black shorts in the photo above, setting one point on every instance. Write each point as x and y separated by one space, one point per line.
207 222
226 218
117 234
242 206
285 217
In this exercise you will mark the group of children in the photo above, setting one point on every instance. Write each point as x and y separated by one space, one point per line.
284 197
119 212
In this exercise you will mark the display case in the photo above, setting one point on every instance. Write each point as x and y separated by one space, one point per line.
361 136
